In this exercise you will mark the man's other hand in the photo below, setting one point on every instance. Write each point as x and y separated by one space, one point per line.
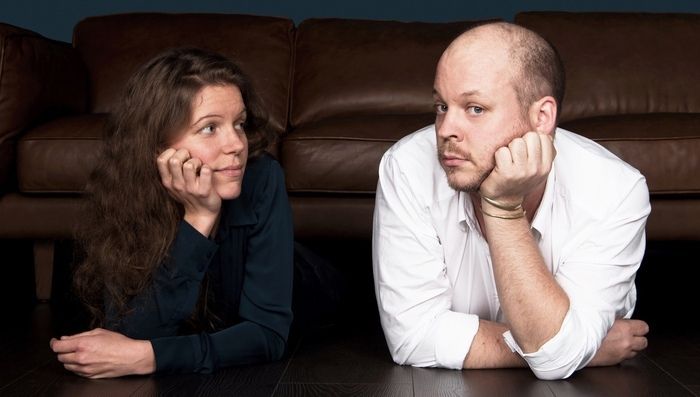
625 339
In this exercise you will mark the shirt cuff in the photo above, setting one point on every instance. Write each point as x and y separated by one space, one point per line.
180 354
454 333
558 358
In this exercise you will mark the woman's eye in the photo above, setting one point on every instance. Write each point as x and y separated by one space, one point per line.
240 126
208 129
440 108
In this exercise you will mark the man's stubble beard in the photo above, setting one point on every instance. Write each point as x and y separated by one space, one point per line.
470 186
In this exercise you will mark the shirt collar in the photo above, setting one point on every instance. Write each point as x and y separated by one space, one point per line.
467 218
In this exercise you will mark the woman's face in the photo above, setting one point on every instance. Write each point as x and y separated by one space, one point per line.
215 136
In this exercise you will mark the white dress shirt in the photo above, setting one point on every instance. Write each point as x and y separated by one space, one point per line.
432 267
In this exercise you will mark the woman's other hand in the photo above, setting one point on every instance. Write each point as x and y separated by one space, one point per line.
104 354
190 183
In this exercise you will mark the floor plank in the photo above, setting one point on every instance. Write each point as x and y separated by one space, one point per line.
430 382
253 380
52 380
635 377
344 355
344 389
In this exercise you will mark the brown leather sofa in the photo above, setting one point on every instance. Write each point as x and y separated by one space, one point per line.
339 93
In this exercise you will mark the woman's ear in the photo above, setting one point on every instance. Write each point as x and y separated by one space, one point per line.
543 115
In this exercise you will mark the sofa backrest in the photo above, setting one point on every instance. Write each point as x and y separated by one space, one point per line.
113 46
624 63
633 85
361 67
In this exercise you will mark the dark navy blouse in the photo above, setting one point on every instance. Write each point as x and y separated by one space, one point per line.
249 277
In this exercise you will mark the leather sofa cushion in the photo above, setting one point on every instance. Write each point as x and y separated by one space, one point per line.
39 78
342 154
353 67
114 46
665 148
624 63
59 156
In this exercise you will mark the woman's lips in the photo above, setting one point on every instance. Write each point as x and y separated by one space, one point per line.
232 172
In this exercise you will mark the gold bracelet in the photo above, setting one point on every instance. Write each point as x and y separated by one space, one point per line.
519 215
502 206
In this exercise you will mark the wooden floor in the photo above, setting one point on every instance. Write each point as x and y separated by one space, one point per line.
342 359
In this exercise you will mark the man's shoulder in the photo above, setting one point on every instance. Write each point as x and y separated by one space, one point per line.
590 174
413 164
415 155
416 145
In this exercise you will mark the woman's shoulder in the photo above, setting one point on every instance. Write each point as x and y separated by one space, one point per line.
262 172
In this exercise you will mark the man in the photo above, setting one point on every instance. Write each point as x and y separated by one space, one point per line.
518 243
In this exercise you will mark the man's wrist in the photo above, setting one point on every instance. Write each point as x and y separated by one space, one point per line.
494 209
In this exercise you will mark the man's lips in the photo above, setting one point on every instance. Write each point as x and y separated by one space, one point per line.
452 160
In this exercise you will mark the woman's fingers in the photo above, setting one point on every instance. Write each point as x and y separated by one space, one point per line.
205 175
175 164
190 169
163 170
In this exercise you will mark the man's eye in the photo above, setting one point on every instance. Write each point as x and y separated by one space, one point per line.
440 108
475 110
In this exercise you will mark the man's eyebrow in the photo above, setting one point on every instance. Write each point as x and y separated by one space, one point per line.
470 93
462 95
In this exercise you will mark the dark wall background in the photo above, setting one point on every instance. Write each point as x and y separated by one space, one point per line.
55 19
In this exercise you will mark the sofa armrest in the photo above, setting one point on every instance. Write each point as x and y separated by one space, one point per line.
40 79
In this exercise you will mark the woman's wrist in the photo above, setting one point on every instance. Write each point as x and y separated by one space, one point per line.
147 363
203 223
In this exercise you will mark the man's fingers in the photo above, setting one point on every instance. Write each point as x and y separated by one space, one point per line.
639 343
518 150
503 157
547 149
638 327
534 149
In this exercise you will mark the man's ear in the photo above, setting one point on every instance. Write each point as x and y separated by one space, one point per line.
543 115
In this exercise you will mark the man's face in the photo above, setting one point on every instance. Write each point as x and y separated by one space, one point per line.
477 111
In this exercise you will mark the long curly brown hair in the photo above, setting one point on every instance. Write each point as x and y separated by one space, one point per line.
131 220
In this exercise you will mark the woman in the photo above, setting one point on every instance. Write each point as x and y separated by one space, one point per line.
188 254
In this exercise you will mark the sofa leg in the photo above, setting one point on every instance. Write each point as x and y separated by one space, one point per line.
43 269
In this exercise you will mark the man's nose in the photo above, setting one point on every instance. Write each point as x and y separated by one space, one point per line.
450 127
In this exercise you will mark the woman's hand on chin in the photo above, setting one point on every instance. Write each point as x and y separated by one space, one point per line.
190 183
104 354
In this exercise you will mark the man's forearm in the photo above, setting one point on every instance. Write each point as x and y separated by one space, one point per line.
534 304
489 350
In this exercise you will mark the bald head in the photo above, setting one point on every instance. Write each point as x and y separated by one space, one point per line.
533 65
